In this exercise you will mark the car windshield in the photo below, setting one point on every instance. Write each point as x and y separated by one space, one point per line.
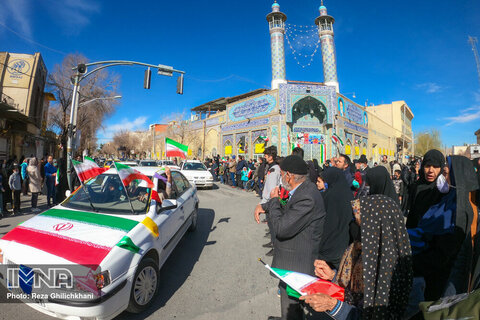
106 194
148 163
194 166
167 163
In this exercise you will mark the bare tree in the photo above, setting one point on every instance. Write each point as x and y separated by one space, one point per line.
427 140
108 149
90 115
181 131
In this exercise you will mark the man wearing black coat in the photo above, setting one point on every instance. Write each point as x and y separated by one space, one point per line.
297 227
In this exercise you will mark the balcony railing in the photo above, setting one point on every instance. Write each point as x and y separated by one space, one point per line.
8 101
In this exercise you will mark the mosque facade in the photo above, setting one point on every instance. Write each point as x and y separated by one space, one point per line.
312 115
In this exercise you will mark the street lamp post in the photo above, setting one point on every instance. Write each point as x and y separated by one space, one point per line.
81 73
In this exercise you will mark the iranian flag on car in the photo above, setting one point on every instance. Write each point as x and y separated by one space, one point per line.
128 174
87 169
84 238
175 149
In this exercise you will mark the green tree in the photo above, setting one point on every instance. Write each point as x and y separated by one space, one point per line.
427 140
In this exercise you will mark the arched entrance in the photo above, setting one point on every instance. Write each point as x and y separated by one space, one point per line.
308 117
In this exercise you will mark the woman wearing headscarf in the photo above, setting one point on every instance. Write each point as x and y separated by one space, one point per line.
379 182
439 218
376 269
35 183
337 198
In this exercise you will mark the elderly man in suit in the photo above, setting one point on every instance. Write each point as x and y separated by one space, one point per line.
297 226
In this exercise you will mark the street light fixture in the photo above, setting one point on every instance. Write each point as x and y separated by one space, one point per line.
96 99
81 73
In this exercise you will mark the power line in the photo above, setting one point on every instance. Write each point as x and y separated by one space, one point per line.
32 41
473 41
57 85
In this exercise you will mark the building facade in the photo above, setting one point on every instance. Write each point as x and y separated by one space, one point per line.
312 115
24 106
391 131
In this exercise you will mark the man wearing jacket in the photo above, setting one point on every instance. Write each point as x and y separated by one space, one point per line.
297 227
50 175
240 165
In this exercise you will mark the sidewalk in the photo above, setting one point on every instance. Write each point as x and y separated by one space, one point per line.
26 205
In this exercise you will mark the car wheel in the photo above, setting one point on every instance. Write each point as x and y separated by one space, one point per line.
193 226
144 287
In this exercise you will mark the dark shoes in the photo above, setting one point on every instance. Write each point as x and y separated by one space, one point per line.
274 318
269 253
267 235
268 245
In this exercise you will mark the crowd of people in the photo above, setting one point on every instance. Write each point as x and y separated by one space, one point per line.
392 235
27 176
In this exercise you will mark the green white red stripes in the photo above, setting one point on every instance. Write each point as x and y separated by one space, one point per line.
81 237
127 175
175 149
87 169
303 284
336 139
323 153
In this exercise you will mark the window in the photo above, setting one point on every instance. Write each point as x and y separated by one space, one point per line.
179 182
106 193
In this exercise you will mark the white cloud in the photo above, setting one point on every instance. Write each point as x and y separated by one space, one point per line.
16 13
430 87
466 115
74 14
71 15
125 124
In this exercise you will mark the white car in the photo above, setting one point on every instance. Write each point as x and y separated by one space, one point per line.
111 247
128 163
197 173
147 163
167 163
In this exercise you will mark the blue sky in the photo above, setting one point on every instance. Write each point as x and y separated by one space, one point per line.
415 51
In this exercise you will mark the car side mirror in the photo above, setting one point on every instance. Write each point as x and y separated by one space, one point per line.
168 204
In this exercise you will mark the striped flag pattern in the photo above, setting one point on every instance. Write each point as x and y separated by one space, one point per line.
84 238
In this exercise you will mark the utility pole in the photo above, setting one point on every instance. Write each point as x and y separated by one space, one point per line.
473 41
81 73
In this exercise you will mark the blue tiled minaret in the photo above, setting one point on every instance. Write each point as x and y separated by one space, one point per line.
276 23
325 31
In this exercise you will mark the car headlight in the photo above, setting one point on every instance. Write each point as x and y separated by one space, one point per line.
102 279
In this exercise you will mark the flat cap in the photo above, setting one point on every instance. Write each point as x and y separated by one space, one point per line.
294 164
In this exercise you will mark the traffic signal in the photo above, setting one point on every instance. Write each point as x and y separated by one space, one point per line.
180 84
81 68
147 78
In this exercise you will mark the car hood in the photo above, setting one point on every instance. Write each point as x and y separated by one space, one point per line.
64 235
196 173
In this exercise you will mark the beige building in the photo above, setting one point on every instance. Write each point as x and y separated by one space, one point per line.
390 131
23 106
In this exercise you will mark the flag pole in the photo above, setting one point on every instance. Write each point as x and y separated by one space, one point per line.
124 187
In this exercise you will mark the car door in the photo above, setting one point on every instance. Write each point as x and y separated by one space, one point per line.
189 203
169 221
182 194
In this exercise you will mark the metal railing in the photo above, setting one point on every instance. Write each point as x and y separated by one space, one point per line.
8 100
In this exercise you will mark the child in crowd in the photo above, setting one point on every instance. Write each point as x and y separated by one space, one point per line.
398 184
244 178
15 184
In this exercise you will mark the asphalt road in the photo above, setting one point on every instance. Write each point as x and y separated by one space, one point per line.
214 272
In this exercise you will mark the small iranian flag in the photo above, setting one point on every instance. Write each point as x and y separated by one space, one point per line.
57 178
300 284
127 175
175 149
336 139
87 169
